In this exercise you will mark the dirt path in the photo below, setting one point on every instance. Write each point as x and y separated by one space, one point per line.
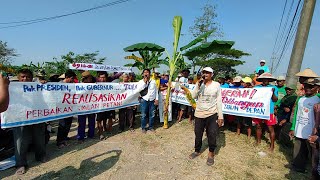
160 155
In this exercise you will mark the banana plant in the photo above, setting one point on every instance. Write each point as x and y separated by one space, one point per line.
150 55
172 60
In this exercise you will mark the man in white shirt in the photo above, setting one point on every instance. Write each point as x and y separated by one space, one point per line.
148 100
208 113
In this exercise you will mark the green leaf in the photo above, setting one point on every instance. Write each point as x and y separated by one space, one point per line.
212 47
201 38
143 47
177 24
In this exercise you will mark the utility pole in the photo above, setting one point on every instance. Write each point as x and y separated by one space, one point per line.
300 41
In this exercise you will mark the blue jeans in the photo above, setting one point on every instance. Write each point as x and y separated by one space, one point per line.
147 109
82 125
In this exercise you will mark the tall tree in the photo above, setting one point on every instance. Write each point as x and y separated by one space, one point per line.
6 53
221 61
206 22
203 24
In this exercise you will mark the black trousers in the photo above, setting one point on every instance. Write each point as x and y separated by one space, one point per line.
126 117
24 136
301 152
210 123
63 129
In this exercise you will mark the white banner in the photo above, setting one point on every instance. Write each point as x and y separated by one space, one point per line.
99 67
178 94
246 102
32 103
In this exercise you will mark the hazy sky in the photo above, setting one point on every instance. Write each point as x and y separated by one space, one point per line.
251 24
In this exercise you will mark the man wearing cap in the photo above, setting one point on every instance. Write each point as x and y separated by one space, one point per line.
247 82
65 124
304 125
262 68
266 78
281 80
237 82
208 113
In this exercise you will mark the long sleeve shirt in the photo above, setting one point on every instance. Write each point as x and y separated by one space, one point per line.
152 89
209 101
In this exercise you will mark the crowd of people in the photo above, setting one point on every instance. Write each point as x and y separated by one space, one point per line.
294 112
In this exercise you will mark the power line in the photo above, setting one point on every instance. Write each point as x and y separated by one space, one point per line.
284 29
38 20
275 43
288 35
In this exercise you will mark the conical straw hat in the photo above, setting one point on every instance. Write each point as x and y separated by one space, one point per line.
307 73
266 76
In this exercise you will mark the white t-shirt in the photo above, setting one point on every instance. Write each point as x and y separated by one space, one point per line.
183 80
305 116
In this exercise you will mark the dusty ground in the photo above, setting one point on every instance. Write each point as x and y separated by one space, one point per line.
160 155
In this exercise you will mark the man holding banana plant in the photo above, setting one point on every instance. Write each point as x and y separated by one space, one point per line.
208 113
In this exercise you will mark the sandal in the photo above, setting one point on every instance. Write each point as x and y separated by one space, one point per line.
194 155
210 161
21 170
102 137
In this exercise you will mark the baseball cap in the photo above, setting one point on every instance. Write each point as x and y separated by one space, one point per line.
281 78
208 69
262 60
237 79
247 80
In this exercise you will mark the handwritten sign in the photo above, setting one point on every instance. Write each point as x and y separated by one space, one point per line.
32 103
246 102
99 67
178 95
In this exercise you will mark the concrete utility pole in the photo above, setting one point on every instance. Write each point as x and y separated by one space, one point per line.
300 41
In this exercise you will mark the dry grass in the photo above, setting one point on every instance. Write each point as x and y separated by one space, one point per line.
160 155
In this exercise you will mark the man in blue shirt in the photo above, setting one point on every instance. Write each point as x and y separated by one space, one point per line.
262 68
266 78
222 81
237 82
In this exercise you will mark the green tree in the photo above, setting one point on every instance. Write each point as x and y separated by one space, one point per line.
203 24
6 53
224 62
150 56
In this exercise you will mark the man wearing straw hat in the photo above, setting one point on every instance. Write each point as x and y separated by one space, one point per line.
304 125
304 76
266 78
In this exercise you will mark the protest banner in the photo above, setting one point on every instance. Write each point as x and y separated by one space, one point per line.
178 94
32 103
246 102
99 67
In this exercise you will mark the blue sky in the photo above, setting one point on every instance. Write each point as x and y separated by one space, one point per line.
251 24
